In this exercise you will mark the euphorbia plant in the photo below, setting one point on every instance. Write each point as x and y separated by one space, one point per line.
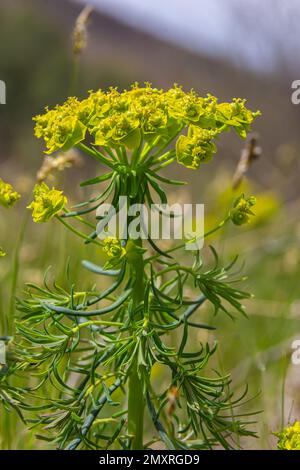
98 348
8 197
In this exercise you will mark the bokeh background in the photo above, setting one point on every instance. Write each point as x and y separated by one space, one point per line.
230 48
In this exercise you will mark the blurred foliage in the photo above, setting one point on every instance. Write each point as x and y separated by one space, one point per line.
36 65
35 69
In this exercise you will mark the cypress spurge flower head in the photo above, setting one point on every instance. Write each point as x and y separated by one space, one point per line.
115 119
289 438
114 250
241 212
196 148
118 129
47 203
2 253
61 127
8 197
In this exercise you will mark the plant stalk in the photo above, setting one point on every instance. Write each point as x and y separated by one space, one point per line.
136 399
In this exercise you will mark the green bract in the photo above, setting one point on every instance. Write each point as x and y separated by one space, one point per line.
8 197
47 203
114 250
117 119
196 148
241 212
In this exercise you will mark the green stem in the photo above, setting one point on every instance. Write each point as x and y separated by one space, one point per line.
15 273
147 149
136 399
182 245
77 232
95 154
163 165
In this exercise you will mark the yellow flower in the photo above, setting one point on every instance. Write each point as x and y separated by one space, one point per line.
240 214
196 148
117 129
8 197
114 249
114 118
61 127
2 253
47 203
289 438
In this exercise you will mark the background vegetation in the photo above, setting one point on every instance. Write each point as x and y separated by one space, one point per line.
37 65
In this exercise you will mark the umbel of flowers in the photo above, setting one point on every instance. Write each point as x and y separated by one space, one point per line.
108 340
144 114
47 203
8 196
128 132
289 437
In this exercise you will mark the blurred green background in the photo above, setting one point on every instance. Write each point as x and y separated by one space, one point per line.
37 65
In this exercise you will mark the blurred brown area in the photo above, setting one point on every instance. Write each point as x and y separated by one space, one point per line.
36 64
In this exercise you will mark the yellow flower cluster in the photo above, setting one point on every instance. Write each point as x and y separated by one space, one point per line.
112 119
196 148
240 214
2 253
289 438
8 197
47 203
61 127
114 249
